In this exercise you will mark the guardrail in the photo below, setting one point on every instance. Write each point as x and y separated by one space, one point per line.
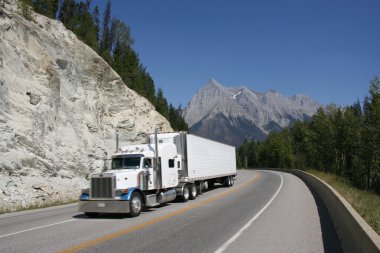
354 233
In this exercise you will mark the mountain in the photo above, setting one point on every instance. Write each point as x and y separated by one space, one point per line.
60 104
232 115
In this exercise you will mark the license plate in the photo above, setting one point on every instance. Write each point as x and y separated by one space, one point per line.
101 204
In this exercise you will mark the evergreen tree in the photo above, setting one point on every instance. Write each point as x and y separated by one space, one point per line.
162 104
322 141
25 8
95 16
48 8
301 145
86 28
105 44
176 120
66 14
371 136
119 34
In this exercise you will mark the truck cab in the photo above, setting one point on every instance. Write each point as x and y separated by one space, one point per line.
134 171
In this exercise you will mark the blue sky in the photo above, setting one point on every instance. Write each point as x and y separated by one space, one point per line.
326 49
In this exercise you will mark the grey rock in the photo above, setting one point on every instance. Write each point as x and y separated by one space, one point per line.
61 63
92 128
34 98
76 103
232 115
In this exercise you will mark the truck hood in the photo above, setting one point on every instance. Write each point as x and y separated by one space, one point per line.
125 178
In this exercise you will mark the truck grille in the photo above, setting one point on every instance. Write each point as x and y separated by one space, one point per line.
102 187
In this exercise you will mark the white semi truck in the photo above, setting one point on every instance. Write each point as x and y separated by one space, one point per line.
172 165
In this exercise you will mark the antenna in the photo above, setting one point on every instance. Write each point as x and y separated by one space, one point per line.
117 140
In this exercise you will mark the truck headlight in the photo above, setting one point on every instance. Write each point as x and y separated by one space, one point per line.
120 192
84 196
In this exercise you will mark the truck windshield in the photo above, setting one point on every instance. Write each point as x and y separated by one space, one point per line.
123 163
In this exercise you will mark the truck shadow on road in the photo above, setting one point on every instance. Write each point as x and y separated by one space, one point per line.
114 216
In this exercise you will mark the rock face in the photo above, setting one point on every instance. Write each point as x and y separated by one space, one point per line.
232 115
60 105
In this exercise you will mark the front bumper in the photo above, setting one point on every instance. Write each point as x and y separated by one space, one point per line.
104 206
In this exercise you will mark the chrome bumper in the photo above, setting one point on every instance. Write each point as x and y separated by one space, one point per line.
103 206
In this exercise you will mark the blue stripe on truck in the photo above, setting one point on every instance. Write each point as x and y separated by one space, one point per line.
84 196
128 195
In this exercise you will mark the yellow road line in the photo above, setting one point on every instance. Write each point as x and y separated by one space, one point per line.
102 239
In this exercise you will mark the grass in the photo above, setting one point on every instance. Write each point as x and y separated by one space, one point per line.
367 204
20 207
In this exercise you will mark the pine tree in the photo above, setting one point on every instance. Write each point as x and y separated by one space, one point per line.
105 44
371 136
48 8
95 17
66 14
162 104
25 6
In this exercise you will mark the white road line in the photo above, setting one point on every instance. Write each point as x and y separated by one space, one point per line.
235 236
31 229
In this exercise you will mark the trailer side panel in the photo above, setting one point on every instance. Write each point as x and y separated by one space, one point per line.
209 159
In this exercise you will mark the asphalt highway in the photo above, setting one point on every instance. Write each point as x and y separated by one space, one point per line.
264 211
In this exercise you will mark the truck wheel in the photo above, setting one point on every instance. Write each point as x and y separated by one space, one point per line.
185 194
135 205
232 181
205 186
227 182
91 215
193 191
211 184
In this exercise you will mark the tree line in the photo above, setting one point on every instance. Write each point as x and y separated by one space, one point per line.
340 140
113 41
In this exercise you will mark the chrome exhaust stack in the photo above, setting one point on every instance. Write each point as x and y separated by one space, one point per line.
158 164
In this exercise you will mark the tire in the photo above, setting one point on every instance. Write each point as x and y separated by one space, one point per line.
227 182
135 205
193 191
211 184
185 193
205 186
198 186
232 181
91 215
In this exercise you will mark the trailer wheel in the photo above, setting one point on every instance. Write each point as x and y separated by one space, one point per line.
135 205
227 182
232 181
91 215
205 186
211 184
184 197
193 191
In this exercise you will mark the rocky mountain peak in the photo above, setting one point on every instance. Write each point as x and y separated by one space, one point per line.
247 114
213 83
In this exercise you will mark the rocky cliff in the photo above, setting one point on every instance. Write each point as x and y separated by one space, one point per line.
60 104
232 115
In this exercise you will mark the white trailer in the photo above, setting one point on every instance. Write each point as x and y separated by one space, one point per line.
171 165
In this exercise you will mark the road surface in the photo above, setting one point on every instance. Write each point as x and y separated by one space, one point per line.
264 211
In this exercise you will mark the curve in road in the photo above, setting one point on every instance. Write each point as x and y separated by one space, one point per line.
265 212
